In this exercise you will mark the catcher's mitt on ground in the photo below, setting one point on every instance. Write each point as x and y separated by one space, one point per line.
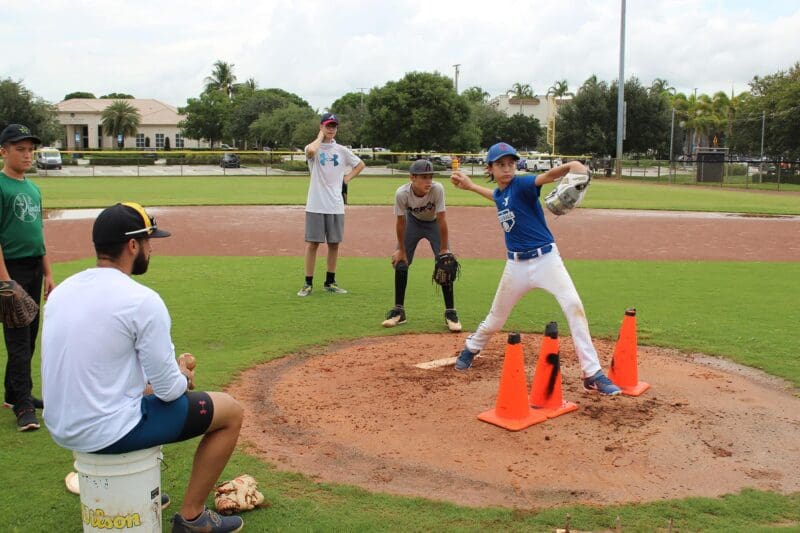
447 269
568 193
237 495
17 308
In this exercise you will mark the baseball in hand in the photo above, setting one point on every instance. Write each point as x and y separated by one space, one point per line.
189 361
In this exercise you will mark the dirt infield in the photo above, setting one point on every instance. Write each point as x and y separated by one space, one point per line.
361 413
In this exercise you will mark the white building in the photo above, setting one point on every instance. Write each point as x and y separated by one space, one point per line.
81 118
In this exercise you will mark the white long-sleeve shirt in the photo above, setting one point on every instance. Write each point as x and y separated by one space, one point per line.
104 337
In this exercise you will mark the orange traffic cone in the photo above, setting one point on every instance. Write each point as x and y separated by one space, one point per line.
624 370
546 388
512 410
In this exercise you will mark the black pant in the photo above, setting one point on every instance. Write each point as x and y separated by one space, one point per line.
21 342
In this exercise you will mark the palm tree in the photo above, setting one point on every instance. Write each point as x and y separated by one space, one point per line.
697 117
520 91
559 89
661 86
120 118
222 78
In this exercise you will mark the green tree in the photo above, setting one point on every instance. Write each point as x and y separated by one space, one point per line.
775 98
476 95
205 116
118 96
18 105
696 117
351 108
249 105
78 94
520 131
120 117
559 89
419 112
289 127
221 79
586 124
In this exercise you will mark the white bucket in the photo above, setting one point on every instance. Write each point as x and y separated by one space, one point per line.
120 492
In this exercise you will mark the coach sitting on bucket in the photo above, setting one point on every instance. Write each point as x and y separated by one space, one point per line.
105 338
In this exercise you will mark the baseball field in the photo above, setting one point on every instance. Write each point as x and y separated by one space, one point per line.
344 433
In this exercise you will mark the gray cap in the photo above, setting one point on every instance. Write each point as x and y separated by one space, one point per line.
421 166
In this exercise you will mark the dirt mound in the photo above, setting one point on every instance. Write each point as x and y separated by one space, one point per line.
362 413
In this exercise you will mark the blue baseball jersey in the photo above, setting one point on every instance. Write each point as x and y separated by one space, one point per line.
521 216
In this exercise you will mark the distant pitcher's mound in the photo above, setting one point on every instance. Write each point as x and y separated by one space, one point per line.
361 413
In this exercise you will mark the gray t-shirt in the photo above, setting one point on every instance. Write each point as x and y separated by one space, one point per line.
423 208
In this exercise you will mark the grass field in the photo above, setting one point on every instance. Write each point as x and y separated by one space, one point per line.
605 194
235 312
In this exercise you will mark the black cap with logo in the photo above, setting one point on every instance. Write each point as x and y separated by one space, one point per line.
17 132
124 221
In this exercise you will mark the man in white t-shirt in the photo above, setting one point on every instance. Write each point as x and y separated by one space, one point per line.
328 163
110 379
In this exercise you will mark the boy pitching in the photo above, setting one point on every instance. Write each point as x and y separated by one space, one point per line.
420 209
533 260
327 162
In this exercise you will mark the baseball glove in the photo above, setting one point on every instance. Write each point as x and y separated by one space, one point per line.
568 193
237 495
447 269
17 308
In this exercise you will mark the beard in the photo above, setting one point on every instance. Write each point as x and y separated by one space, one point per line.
140 264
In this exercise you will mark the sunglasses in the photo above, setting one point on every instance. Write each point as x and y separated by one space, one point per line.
149 222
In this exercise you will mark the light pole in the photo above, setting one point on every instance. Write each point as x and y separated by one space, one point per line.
456 76
671 137
620 91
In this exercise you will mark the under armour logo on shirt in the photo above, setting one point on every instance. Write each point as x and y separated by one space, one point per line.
324 158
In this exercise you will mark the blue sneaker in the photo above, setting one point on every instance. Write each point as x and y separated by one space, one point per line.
600 383
207 522
465 358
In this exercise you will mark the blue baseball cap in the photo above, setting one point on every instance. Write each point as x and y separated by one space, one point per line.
499 150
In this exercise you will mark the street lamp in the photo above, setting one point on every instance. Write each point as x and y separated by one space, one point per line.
456 76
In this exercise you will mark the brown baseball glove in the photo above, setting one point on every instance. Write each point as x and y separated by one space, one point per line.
447 269
17 308
237 495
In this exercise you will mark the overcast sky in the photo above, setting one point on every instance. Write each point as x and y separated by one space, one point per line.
320 50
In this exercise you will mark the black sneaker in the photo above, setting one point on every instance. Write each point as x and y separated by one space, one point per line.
37 403
395 316
207 522
26 419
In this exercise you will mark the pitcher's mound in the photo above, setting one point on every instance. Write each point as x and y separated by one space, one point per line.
361 413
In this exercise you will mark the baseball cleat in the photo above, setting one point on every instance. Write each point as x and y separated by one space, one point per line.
600 383
26 419
465 358
395 317
451 319
335 289
305 291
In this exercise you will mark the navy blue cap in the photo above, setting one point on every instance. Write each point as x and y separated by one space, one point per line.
499 150
17 132
327 118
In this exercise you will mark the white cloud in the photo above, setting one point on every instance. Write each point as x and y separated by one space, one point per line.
320 50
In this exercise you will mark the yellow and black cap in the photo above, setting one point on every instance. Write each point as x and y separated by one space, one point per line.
124 221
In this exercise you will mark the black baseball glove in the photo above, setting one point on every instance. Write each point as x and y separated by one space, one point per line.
447 269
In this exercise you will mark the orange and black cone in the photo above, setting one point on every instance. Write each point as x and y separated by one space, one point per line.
511 410
546 388
624 370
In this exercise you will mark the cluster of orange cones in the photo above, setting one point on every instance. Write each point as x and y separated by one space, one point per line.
516 409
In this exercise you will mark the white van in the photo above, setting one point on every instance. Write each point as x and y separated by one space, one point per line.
48 158
538 162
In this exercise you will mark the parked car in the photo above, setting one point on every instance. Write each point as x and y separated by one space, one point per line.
230 160
536 164
48 158
224 146
521 164
474 159
444 160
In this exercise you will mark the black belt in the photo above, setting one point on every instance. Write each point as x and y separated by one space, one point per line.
530 254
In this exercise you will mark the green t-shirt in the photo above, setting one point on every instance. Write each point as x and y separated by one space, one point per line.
21 228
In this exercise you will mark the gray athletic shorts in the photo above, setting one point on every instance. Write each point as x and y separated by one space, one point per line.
324 227
416 230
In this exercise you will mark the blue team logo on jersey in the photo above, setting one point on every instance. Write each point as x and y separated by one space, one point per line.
507 219
324 158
